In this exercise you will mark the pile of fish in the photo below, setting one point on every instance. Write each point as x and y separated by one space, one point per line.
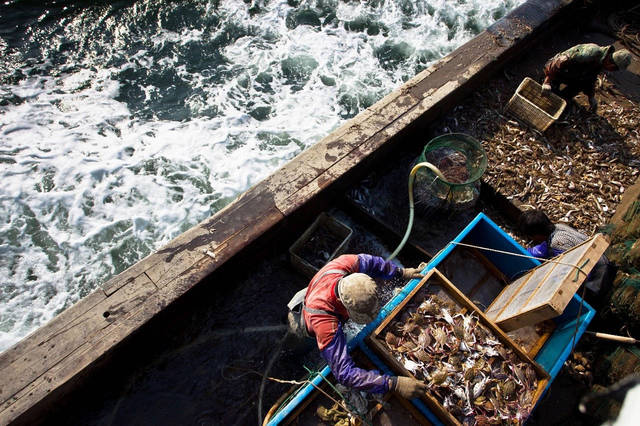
576 171
474 377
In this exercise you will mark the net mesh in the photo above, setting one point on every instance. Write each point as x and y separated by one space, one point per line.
624 251
462 161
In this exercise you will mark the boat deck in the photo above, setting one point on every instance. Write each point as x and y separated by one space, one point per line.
183 335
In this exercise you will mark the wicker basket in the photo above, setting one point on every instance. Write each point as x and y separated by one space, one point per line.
534 108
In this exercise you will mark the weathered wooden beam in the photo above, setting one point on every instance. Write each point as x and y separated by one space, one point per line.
58 357
44 367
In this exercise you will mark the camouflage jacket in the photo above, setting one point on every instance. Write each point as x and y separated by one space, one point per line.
580 64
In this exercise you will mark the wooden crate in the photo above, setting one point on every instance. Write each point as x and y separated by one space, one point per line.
545 291
434 283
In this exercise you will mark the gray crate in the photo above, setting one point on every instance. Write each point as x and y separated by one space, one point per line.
335 229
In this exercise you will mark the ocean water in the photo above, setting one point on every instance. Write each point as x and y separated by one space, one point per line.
125 123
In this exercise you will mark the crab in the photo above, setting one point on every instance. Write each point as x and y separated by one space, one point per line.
439 376
429 307
392 340
408 327
508 389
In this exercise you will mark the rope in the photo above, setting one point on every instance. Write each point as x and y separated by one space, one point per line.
579 268
312 374
276 354
350 409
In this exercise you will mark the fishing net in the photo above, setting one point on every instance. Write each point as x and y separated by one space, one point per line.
603 409
625 298
624 251
462 161
622 362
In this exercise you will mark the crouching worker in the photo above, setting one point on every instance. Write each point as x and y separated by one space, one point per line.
578 68
344 289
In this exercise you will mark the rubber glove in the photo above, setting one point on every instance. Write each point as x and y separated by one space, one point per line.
409 388
593 103
541 250
410 273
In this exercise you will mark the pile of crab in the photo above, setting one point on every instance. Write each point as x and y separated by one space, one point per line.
474 377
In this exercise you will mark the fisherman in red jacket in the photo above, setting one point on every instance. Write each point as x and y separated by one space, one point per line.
344 289
578 68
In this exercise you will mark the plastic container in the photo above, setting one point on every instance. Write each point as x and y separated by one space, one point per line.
534 108
325 239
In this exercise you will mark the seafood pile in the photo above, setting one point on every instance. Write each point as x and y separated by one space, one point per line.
474 377
579 366
576 171
451 163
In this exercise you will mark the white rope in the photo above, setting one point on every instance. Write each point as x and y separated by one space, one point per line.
542 259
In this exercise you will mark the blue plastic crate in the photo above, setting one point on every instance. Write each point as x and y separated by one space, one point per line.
481 231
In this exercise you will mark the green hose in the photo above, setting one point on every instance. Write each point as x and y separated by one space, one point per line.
412 177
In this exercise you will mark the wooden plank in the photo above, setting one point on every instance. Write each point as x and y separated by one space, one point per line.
128 312
506 297
181 253
45 333
526 287
545 291
33 375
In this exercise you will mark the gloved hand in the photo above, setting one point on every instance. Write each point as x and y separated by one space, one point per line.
409 388
546 88
410 273
593 103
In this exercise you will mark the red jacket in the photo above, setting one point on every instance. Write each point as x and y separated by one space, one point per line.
322 295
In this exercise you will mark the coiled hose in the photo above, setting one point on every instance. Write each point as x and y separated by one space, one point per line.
412 178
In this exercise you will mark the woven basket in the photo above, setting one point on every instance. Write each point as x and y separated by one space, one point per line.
534 108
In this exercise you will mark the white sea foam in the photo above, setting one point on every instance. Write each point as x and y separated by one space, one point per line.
91 184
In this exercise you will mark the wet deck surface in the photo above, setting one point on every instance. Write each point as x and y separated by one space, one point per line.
201 362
